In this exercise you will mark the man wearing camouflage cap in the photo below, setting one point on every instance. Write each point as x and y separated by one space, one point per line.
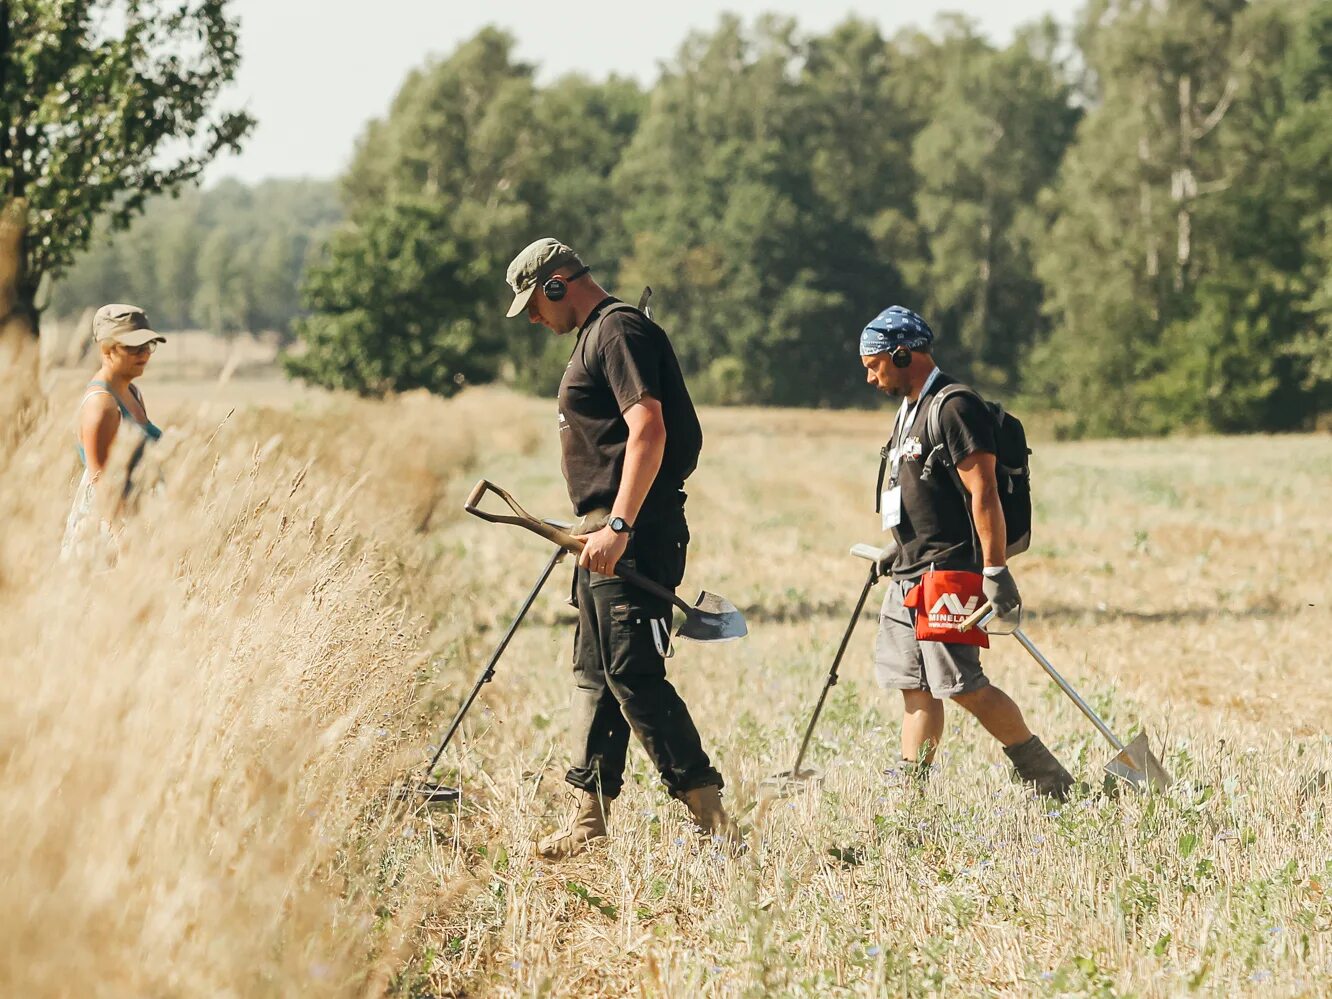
936 525
629 437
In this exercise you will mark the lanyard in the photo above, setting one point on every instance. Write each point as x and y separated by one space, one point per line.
901 426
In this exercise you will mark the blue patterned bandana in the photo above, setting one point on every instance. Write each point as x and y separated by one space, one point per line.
892 328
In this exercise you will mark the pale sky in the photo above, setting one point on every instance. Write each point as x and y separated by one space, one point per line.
315 71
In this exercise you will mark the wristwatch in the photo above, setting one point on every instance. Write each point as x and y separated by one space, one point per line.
620 526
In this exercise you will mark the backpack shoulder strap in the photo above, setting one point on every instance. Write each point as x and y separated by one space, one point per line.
934 424
591 337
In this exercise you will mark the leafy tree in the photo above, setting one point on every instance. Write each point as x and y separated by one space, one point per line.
473 153
187 255
392 305
1178 259
764 284
103 103
999 125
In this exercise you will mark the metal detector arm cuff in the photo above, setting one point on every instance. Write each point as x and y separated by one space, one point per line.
877 557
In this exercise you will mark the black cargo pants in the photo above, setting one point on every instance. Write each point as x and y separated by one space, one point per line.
620 674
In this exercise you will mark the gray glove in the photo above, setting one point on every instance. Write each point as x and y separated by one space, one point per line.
883 565
1002 592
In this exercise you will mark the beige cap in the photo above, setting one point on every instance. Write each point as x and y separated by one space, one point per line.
536 263
123 324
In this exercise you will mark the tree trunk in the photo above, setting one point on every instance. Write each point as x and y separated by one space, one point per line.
19 356
1184 185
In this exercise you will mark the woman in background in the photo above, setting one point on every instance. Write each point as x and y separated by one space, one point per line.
110 401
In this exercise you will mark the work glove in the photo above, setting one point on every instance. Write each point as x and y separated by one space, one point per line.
883 565
1001 591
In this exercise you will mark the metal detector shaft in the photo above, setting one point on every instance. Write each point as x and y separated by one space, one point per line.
832 673
489 672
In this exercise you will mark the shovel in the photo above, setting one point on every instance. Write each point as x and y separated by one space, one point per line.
711 619
1134 762
787 782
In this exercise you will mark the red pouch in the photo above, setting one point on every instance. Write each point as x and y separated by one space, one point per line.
942 601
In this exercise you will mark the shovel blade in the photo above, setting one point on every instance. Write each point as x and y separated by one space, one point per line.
713 619
1139 766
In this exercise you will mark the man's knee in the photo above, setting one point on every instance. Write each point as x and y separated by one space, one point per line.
981 699
920 700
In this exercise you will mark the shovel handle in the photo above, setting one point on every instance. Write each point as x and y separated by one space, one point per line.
977 617
556 535
980 617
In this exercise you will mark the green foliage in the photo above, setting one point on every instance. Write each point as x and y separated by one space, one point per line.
104 103
1186 265
392 304
1129 227
228 259
471 161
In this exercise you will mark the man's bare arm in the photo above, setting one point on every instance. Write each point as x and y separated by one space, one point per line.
977 474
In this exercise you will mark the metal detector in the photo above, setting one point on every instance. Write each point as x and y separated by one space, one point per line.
1134 762
428 790
786 782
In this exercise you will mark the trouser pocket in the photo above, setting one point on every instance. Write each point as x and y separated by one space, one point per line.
638 638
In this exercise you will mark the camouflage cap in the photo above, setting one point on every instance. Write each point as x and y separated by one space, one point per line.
536 263
123 324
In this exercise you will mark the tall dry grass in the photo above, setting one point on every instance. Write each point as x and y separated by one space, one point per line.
200 726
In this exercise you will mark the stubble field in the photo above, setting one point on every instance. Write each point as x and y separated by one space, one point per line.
202 739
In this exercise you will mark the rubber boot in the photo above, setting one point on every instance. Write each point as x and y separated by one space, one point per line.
704 804
588 824
1037 766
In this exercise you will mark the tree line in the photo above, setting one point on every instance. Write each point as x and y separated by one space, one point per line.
228 259
1129 222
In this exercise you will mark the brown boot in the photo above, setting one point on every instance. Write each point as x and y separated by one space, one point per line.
589 823
704 804
1037 766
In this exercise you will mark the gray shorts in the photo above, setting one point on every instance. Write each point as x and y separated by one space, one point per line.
903 663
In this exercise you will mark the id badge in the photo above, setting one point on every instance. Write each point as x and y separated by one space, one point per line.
890 502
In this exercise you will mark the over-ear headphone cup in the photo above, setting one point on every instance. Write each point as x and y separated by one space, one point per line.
902 357
554 289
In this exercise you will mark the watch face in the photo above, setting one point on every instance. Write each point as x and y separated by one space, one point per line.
618 525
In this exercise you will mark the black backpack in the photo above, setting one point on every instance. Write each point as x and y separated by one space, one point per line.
1012 466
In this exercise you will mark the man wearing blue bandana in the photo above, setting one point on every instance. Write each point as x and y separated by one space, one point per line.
937 526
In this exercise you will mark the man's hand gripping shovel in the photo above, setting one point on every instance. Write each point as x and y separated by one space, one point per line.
1134 762
710 619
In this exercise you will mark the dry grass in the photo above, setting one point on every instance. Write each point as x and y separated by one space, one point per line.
200 741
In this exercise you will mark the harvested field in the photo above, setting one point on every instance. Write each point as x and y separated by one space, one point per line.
201 739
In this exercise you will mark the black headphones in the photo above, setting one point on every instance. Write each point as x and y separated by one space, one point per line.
901 356
557 287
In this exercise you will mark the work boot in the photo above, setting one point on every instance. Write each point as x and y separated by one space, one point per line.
588 823
1037 766
704 804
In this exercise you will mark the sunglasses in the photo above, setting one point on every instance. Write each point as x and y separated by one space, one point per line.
143 350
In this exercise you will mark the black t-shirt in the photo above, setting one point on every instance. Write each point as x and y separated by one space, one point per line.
935 529
619 359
